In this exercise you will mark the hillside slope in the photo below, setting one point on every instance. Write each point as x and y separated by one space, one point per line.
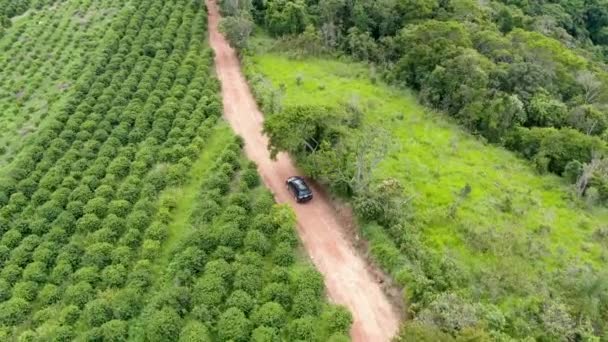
482 232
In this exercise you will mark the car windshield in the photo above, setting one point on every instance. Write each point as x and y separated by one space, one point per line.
300 185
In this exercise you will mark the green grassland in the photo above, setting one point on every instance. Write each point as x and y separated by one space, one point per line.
508 238
42 56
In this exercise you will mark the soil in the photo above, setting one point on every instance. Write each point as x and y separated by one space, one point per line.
349 279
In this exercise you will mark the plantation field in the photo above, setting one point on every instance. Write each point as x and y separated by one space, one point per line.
42 56
127 211
229 268
486 236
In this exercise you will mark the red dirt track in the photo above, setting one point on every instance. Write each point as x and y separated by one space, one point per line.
347 278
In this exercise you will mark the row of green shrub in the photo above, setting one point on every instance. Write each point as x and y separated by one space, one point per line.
79 220
236 276
39 70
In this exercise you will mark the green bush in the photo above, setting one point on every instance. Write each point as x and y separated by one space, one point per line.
13 311
44 254
115 224
302 329
558 146
150 249
277 292
229 235
5 290
270 314
141 274
11 273
306 303
27 336
98 254
97 206
233 325
338 319
115 330
97 312
157 231
420 332
241 300
283 254
195 332
162 325
248 278
264 334
126 303
240 199
205 314
210 290
131 238
75 208
49 294
79 294
27 290
35 271
221 268
250 176
60 272
81 194
88 223
120 208
119 167
106 191
256 241
186 264
40 197
114 276
69 314
11 238
308 279
121 255
206 210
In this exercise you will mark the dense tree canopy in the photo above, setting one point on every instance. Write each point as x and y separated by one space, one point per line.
499 68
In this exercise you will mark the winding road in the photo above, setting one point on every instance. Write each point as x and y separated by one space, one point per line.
347 278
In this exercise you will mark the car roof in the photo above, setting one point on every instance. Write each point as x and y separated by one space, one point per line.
299 182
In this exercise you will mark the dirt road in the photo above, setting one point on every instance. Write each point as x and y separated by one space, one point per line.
347 278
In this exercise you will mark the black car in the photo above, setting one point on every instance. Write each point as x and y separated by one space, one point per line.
300 190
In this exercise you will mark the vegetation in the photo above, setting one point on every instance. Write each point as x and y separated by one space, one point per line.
96 241
42 56
507 71
484 246
12 8
221 279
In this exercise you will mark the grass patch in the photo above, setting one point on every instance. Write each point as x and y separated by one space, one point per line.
185 196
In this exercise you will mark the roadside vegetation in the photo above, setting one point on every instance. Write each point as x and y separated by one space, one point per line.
230 271
487 245
129 212
529 77
460 224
